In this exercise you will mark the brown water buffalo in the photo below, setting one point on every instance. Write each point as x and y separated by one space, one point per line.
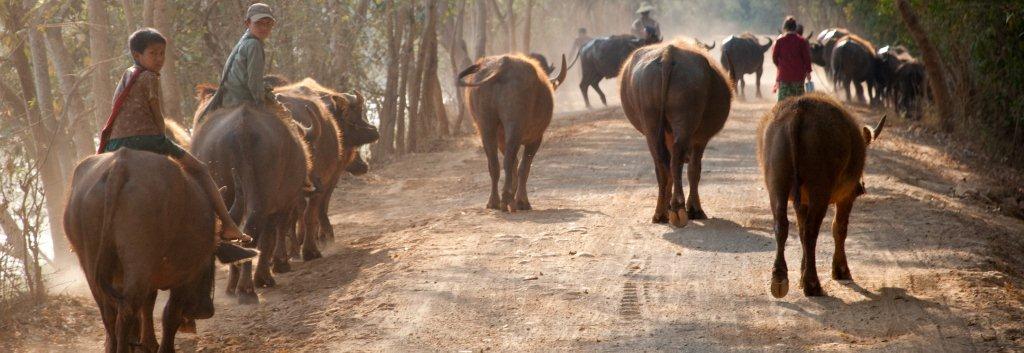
679 98
130 246
853 61
325 148
602 58
263 162
349 113
742 55
812 151
511 101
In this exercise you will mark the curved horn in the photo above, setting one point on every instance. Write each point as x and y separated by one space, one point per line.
557 81
765 47
712 45
472 70
878 128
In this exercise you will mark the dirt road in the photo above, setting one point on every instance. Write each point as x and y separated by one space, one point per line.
420 265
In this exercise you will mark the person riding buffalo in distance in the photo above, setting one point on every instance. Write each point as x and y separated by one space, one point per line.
645 26
581 39
137 122
792 56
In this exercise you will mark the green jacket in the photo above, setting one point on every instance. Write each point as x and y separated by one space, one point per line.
242 79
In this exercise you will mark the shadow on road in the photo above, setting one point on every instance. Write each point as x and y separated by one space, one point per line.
719 235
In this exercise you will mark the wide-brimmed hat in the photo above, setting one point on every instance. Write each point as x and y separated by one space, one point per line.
259 11
645 7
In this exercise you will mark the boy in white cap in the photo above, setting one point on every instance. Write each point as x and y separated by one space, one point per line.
645 23
242 79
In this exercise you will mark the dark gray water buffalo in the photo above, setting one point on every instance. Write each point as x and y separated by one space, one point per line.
679 98
263 161
140 224
602 58
511 101
812 152
821 50
853 61
742 55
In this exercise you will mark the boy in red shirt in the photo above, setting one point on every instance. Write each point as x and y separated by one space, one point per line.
792 57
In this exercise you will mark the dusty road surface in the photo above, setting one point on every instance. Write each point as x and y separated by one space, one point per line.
421 266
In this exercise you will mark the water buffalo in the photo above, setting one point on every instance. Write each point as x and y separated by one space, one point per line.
325 139
348 110
602 58
679 98
742 55
511 101
821 51
853 61
812 151
130 246
263 163
908 88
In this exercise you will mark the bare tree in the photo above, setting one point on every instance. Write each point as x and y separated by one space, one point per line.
169 83
78 125
481 29
100 54
526 26
389 111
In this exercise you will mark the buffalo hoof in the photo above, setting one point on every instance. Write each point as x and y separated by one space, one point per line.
493 205
696 214
282 266
780 287
266 281
523 205
187 326
813 289
660 217
678 218
248 298
841 274
311 254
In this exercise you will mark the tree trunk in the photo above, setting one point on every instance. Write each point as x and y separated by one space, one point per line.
101 56
129 15
407 71
527 26
395 26
416 126
44 93
169 83
39 146
934 67
147 12
433 115
510 20
77 124
481 29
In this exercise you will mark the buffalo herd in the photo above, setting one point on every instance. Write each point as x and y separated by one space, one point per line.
139 224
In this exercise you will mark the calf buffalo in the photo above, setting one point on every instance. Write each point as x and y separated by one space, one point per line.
679 98
263 163
812 151
602 58
130 246
511 101
742 55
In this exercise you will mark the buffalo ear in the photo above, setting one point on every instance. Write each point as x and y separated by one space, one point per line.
340 101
